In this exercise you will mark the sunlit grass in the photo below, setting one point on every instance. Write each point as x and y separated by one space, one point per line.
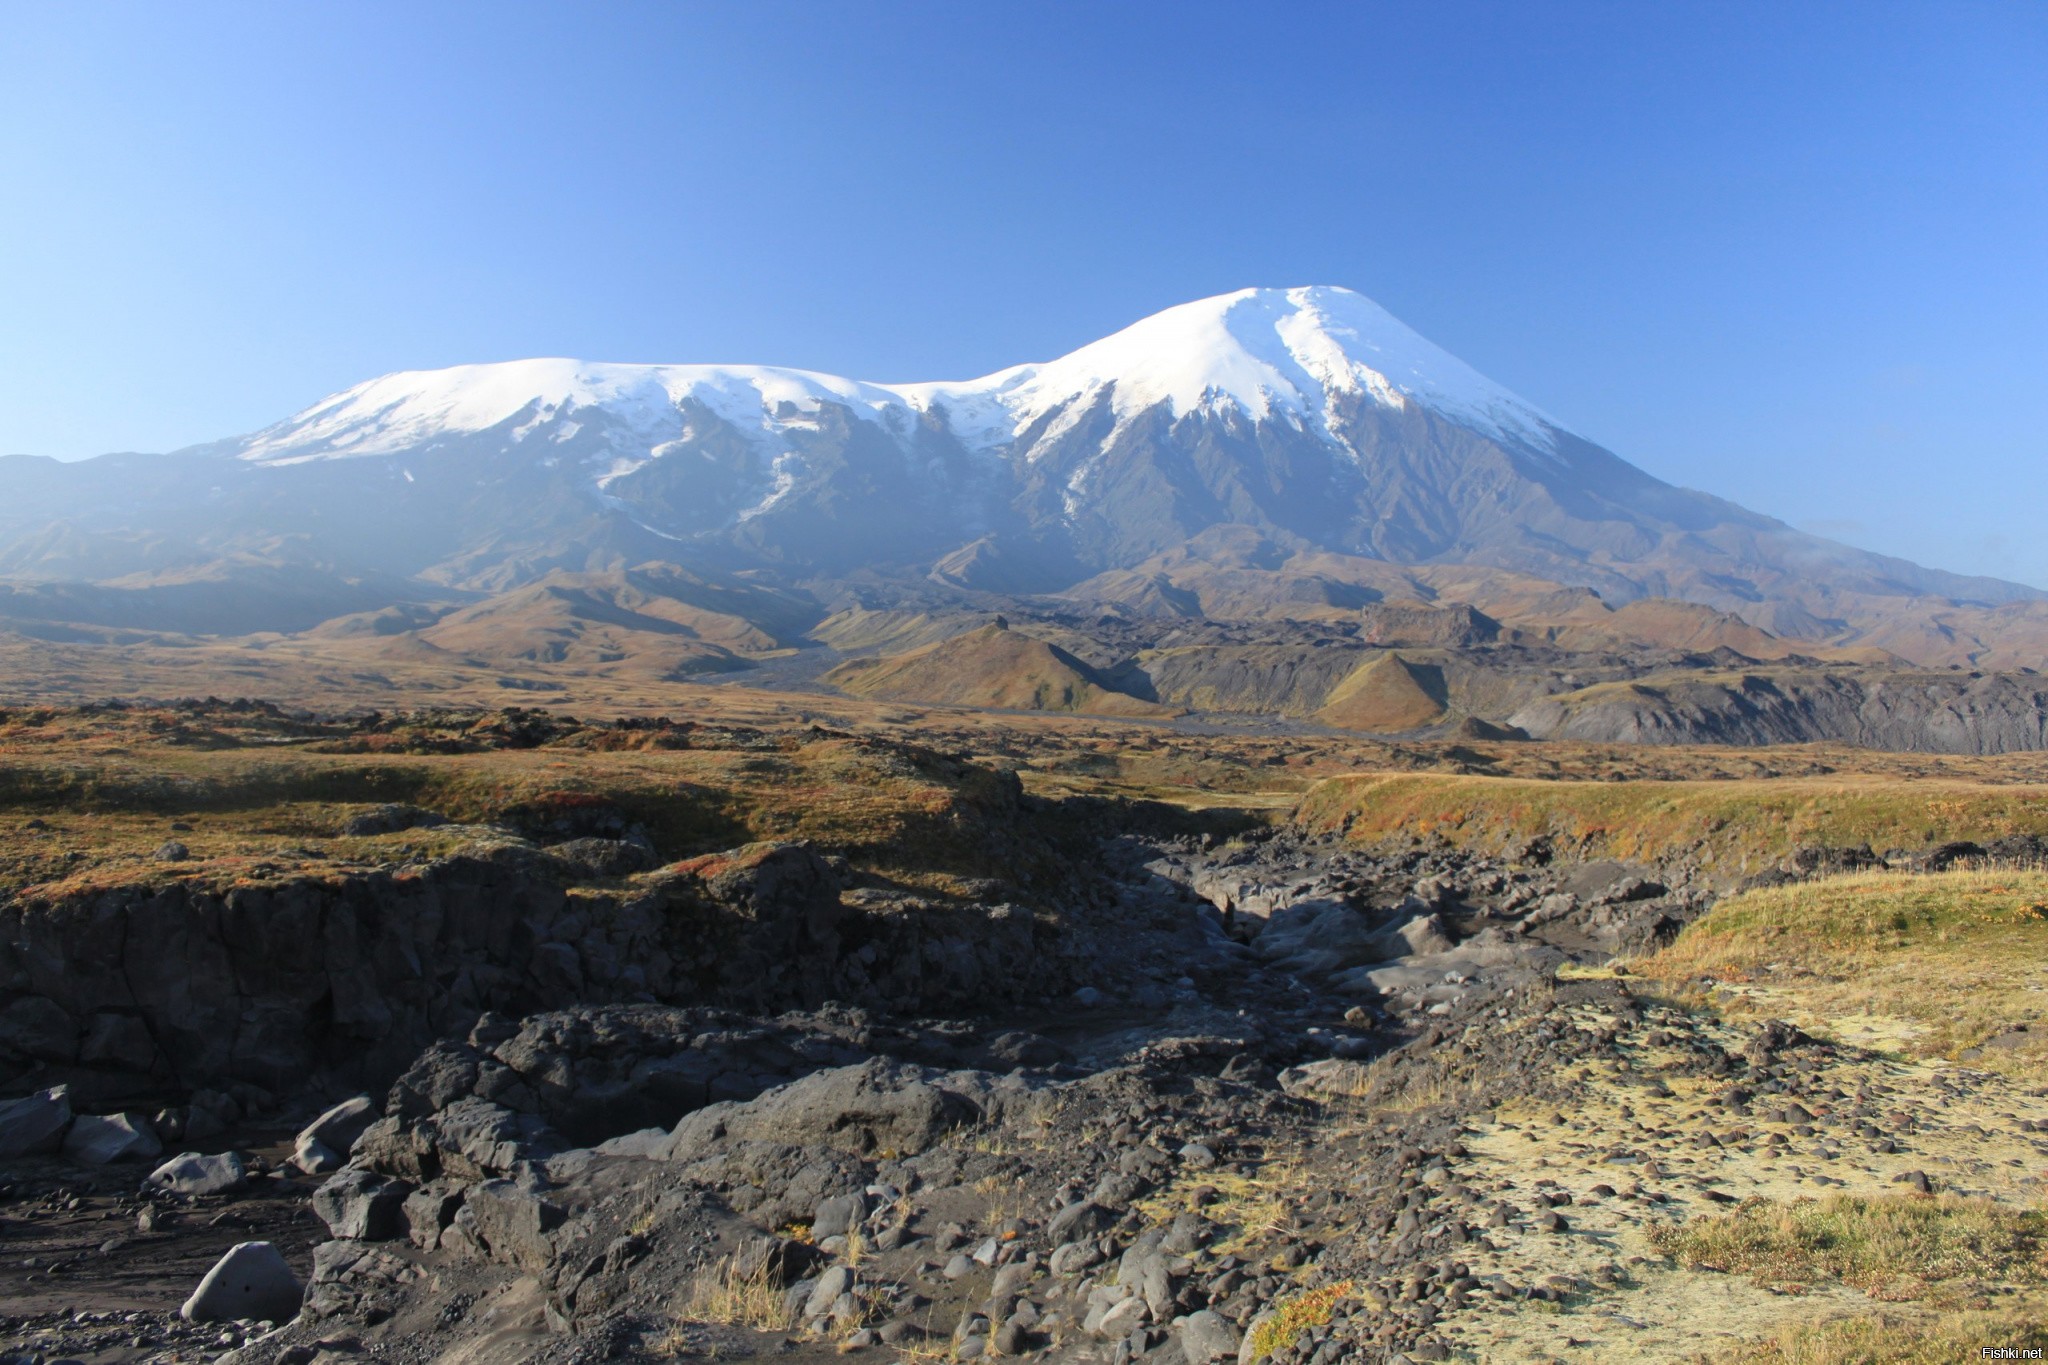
1950 953
1893 1246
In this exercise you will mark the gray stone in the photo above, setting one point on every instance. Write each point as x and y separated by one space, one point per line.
35 1123
339 1127
252 1282
1073 1258
173 852
192 1173
513 1222
1246 1354
838 1215
1075 1221
646 1142
37 1026
120 1040
1188 1232
1010 1280
333 1260
97 1139
427 1211
391 820
1122 1318
781 1261
361 1206
795 1296
877 1105
835 1281
1206 1336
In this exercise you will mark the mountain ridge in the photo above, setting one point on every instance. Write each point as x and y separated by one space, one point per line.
1309 417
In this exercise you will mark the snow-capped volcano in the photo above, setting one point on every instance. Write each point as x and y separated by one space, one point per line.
1271 354
1309 415
1265 352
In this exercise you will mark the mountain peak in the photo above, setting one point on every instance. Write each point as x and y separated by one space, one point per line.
1272 353
1269 352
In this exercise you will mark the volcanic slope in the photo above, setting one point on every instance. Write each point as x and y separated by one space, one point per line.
991 667
1308 414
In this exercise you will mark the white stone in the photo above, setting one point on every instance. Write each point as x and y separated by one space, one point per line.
251 1282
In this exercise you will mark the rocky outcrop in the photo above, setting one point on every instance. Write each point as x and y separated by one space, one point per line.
1930 712
147 988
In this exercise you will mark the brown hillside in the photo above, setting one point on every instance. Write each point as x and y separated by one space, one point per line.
994 667
1386 695
657 619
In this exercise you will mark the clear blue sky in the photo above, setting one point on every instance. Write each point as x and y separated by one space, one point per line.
1793 254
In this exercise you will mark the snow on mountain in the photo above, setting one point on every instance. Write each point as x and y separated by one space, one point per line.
1268 352
1276 354
411 409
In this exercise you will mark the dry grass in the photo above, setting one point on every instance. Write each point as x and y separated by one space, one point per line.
1896 1247
1894 1340
1950 954
1253 1207
732 1298
109 785
1004 1200
1730 826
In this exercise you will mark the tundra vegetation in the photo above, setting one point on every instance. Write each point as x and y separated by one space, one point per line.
908 1034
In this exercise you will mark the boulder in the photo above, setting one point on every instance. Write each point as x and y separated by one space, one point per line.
1418 935
605 857
251 1282
315 1157
1083 1219
1025 1049
1071 1258
36 1026
339 1127
35 1123
119 1040
361 1206
835 1281
391 820
1122 1318
427 1211
877 1105
1317 937
1329 1076
1206 1336
513 1222
838 1215
642 1142
97 1139
781 1261
193 1174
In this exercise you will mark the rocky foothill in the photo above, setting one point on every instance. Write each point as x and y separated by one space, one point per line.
1215 1105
